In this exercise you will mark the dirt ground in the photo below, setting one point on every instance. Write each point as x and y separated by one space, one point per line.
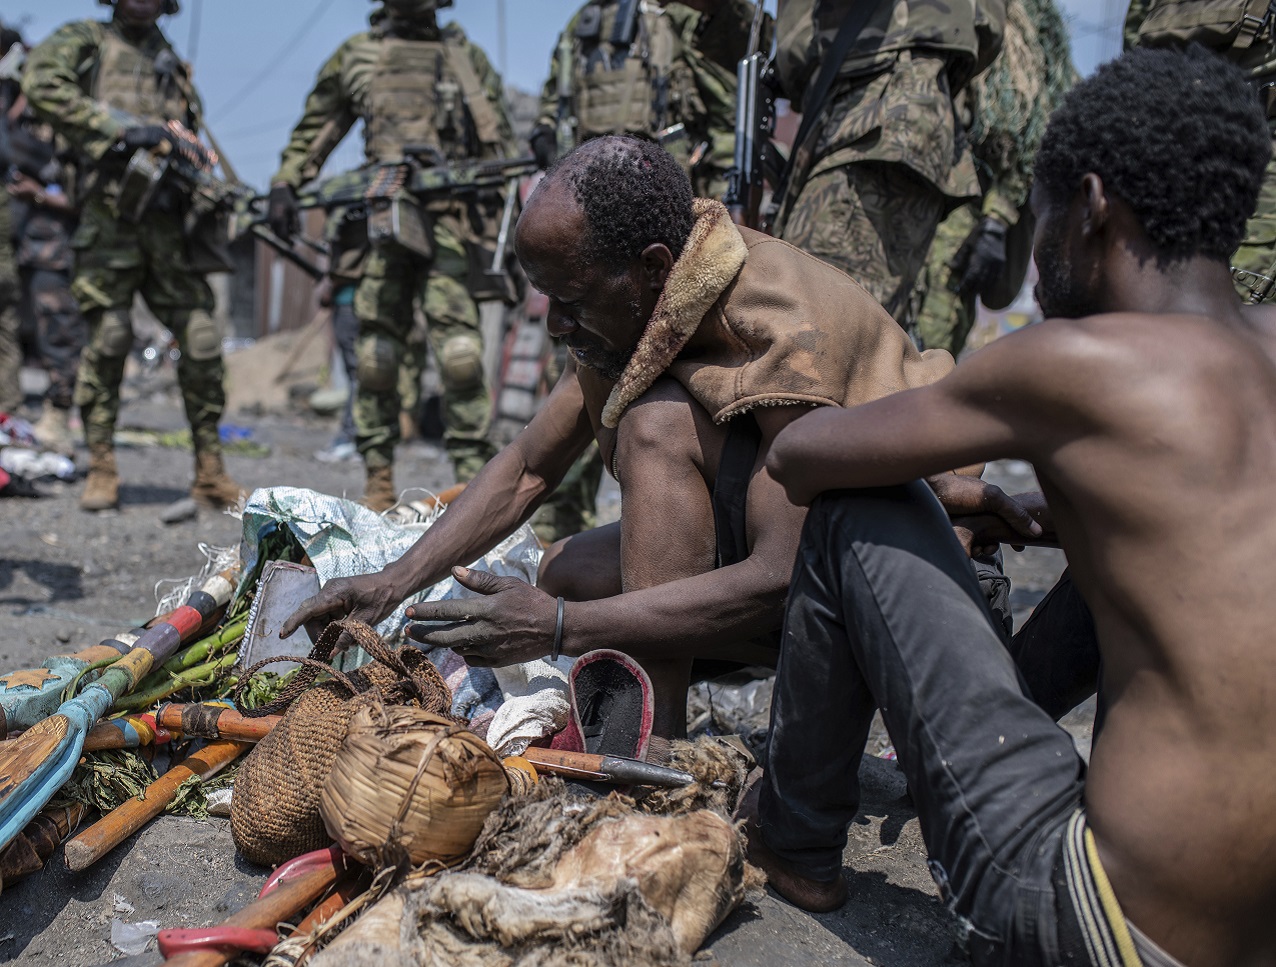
68 579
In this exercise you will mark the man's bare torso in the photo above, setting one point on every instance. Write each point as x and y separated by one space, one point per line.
1161 481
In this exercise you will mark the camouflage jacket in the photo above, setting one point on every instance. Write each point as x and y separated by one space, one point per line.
702 63
339 98
966 33
60 77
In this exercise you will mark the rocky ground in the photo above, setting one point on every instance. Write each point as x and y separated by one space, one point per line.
68 579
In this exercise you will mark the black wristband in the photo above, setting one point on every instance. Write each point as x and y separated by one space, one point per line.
558 632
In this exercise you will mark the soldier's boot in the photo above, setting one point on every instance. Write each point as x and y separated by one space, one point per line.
379 493
102 488
214 488
53 430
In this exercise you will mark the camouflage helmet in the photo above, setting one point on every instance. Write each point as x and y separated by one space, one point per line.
170 6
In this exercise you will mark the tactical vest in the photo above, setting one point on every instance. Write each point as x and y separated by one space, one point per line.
619 89
126 78
420 93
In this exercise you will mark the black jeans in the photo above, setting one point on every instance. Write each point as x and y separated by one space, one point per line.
885 612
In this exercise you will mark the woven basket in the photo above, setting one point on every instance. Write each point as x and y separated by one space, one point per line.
410 787
274 813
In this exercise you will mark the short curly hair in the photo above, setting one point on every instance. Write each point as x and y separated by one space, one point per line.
1178 135
632 193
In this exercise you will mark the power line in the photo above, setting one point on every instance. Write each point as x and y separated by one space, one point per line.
276 60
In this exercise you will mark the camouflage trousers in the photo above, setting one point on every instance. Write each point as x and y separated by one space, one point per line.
943 318
1257 252
60 329
115 261
10 324
874 220
393 279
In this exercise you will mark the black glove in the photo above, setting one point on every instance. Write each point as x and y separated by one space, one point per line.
984 255
281 212
544 145
145 136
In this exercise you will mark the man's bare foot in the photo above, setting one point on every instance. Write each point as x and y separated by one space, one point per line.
818 896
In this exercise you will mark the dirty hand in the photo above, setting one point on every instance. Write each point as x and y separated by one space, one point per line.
281 212
513 622
369 598
963 496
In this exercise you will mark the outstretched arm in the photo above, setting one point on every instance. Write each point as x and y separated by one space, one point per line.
986 409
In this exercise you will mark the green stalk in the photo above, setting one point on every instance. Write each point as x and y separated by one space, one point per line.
194 655
191 677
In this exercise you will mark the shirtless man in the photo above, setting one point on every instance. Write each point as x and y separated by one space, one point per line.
695 342
1147 405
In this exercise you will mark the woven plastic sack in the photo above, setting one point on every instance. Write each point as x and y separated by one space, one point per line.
274 813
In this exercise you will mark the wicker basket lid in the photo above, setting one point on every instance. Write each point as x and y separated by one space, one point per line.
408 786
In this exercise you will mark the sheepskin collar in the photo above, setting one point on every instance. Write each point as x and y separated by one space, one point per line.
713 256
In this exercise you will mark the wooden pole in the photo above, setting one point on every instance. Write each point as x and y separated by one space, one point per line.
118 825
32 847
215 722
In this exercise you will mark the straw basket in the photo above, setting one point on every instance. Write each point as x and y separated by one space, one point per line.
409 786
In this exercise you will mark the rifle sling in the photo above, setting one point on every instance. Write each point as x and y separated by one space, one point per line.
816 98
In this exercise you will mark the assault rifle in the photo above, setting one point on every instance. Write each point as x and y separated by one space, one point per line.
756 156
390 195
183 162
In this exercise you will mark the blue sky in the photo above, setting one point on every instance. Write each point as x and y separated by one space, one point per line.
256 59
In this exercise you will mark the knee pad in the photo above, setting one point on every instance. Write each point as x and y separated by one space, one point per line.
461 363
378 370
114 336
203 338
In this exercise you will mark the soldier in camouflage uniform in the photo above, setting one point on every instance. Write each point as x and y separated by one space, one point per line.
675 83
887 162
1244 32
45 262
421 91
110 90
1005 110
10 348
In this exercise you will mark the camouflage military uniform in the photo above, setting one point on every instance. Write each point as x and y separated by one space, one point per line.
79 81
1223 26
10 347
680 70
410 86
45 262
888 160
1005 109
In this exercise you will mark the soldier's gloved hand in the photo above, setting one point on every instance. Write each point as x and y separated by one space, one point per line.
544 145
145 136
281 212
985 256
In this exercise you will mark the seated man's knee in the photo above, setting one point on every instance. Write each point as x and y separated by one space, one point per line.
663 414
583 567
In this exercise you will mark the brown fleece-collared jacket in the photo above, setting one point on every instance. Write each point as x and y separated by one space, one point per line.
746 320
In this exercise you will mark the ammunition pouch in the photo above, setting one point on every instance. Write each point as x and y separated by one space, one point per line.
403 220
138 188
208 244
